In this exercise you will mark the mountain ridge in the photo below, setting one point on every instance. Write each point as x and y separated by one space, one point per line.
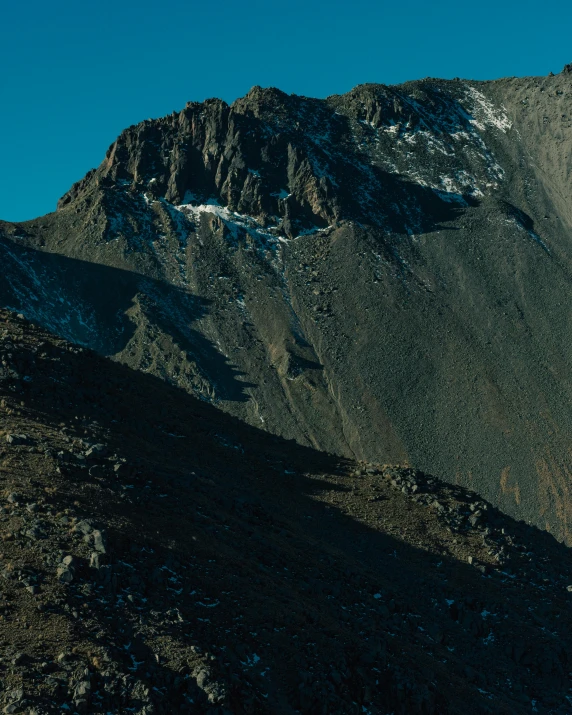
379 274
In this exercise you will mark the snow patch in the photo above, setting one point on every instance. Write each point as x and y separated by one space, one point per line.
487 115
265 237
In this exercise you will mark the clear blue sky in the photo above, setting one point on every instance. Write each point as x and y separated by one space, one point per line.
74 74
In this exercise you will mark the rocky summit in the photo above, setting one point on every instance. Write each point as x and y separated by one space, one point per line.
231 359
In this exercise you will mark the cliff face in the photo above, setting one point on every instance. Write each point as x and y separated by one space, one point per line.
383 274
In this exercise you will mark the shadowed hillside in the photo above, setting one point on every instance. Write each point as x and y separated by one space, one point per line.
160 556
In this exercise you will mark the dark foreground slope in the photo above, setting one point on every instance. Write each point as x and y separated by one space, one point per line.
159 556
384 275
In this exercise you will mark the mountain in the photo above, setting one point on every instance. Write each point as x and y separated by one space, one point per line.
382 275
160 556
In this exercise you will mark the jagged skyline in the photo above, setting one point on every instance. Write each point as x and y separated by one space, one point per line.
75 76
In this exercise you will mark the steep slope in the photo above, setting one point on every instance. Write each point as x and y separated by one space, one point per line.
159 556
382 275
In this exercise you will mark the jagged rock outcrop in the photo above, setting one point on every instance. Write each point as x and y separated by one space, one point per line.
383 274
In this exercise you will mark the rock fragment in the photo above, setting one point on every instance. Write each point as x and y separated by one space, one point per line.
18 439
65 571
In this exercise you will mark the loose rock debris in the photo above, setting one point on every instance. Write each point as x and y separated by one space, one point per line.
146 566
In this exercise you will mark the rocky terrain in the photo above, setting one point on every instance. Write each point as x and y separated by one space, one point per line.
382 275
160 556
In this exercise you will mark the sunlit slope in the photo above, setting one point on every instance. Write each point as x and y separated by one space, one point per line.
383 274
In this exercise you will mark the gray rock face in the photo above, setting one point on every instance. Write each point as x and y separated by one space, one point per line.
382 274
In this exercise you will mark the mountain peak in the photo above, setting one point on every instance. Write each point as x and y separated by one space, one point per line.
330 157
339 271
